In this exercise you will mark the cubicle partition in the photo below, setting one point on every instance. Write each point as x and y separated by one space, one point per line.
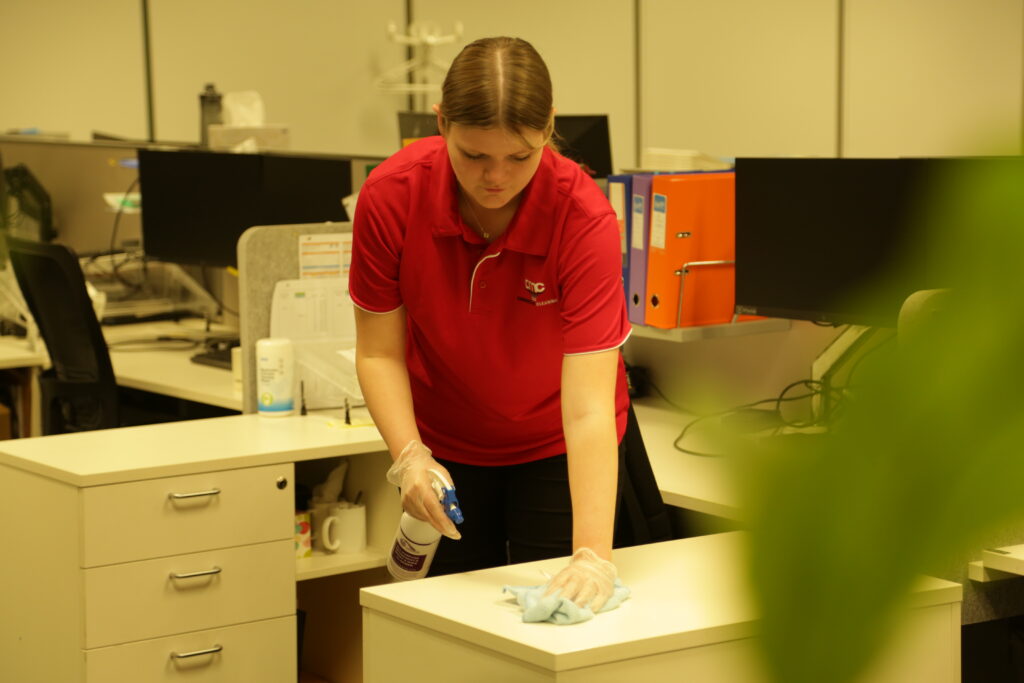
266 254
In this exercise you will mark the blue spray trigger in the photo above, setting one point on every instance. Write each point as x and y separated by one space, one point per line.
446 495
451 505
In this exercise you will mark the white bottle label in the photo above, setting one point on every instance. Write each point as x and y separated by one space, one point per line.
275 372
413 549
409 555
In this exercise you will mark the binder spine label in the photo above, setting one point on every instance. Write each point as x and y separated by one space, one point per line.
659 210
637 237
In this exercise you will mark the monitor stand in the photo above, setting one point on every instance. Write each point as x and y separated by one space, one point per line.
833 366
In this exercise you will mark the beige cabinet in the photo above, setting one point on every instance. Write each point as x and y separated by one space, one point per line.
166 552
165 579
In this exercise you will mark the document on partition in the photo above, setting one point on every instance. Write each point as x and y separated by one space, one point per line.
325 255
312 309
317 315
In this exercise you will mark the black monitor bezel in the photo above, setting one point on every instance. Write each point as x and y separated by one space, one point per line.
260 201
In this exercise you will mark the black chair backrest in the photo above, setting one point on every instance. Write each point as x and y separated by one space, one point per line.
79 392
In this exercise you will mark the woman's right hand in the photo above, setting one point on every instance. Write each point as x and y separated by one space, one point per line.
411 473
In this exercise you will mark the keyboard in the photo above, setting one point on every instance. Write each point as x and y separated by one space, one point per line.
220 358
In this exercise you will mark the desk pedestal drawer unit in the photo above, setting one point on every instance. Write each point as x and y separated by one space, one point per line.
258 651
173 578
689 619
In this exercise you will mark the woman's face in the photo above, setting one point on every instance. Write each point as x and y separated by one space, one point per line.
493 165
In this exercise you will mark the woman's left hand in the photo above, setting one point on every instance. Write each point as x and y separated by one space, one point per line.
587 580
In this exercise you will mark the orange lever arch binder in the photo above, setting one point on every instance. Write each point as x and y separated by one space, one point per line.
692 250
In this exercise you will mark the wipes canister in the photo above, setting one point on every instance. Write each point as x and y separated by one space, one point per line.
275 377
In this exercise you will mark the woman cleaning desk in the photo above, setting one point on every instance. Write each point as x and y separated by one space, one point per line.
487 276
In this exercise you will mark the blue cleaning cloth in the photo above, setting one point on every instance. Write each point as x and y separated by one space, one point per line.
557 610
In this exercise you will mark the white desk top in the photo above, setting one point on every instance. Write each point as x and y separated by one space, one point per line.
688 481
111 456
664 612
166 368
15 353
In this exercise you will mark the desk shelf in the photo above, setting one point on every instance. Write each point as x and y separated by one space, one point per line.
998 564
701 332
328 564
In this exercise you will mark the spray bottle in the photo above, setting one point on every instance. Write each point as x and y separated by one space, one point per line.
416 541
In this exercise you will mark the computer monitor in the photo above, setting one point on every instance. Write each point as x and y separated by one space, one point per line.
832 240
196 204
413 125
77 176
585 139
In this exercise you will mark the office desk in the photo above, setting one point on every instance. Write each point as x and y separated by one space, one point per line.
689 619
17 356
15 353
83 515
687 481
692 482
166 368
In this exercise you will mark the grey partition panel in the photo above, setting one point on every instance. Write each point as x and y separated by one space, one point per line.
266 254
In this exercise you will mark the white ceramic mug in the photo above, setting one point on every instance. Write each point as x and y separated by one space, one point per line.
319 513
339 527
344 529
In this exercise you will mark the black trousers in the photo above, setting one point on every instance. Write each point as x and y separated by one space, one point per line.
521 513
515 513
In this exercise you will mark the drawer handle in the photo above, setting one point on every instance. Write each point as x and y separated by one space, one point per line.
198 653
197 494
192 575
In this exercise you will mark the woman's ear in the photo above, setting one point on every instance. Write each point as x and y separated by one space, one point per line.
440 119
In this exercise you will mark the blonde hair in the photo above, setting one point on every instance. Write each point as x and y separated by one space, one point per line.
498 83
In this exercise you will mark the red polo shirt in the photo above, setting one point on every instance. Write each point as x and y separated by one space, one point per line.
489 324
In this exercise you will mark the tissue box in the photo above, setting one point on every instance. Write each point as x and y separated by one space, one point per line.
267 137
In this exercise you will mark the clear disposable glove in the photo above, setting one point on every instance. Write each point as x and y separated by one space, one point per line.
586 580
411 473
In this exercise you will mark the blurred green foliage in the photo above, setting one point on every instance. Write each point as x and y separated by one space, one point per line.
926 461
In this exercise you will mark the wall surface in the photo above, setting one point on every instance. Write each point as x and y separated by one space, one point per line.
314 64
740 77
72 67
933 77
588 46
730 78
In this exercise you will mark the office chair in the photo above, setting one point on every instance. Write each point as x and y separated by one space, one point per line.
79 392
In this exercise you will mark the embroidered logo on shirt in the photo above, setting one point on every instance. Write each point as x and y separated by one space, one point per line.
534 290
